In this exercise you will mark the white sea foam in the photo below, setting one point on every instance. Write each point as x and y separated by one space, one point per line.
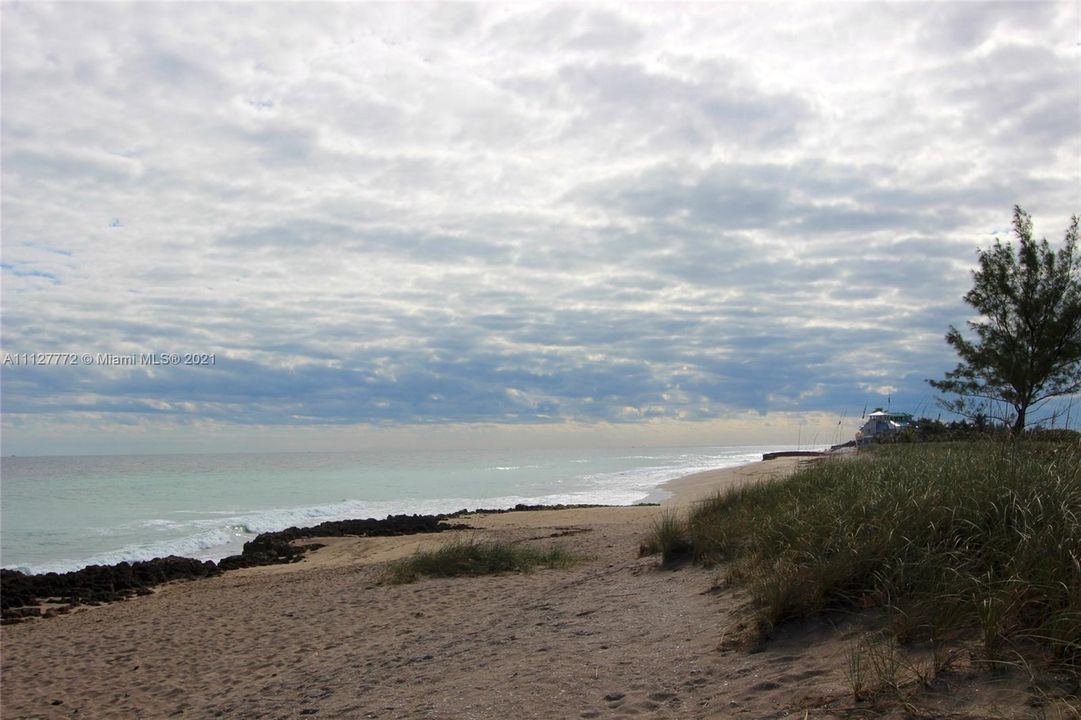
190 546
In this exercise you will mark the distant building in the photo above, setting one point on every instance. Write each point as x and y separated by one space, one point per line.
881 422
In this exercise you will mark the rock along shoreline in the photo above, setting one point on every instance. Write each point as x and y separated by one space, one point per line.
24 596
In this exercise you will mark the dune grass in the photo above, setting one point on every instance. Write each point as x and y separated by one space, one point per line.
668 536
981 537
475 557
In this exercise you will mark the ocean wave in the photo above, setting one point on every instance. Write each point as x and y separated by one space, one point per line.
194 545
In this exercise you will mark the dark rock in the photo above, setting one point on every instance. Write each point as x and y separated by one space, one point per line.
20 594
94 584
278 547
793 453
521 508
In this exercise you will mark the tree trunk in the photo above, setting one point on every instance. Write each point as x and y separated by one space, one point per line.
1019 424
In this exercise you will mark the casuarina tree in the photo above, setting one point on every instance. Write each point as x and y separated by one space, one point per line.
1026 346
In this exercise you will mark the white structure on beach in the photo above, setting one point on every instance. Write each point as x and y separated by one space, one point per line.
882 422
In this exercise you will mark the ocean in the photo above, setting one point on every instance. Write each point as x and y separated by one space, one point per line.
64 513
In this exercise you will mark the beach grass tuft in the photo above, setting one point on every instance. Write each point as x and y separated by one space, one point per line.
477 557
981 537
668 536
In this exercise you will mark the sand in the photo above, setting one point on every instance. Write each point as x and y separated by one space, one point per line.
614 636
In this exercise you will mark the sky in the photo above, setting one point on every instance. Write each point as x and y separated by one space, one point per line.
509 224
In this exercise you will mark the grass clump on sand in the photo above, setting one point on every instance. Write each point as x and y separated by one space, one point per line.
475 557
975 536
668 536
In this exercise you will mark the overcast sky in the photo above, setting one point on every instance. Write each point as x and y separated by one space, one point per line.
443 222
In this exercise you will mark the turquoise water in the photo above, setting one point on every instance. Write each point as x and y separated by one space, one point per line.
63 513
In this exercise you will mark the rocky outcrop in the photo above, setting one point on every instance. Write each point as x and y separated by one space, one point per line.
21 595
520 507
793 453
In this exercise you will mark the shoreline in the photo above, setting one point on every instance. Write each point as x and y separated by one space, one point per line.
43 596
663 493
610 479
688 489
48 595
685 491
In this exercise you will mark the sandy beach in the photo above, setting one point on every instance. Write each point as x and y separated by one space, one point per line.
614 636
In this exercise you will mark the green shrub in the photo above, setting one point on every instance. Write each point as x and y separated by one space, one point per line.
472 557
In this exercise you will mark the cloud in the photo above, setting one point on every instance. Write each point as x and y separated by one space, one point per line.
430 216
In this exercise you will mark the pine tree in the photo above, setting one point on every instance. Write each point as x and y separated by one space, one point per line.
1027 347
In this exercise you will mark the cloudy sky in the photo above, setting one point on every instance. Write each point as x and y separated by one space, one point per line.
553 223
